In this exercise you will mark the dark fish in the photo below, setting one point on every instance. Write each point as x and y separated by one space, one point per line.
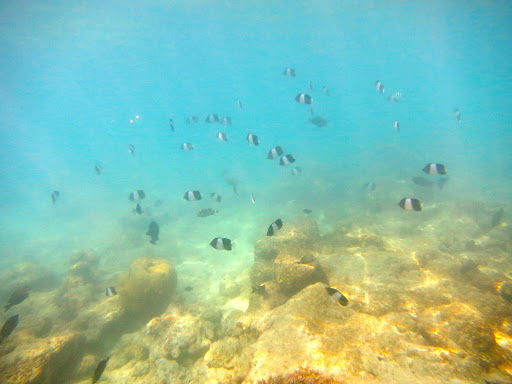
410 204
286 160
9 326
239 104
370 186
275 152
307 211
289 72
308 259
457 114
216 197
434 169
193 196
226 121
138 209
153 231
422 181
171 124
99 370
259 289
132 149
137 195
192 119
497 218
222 136
337 296
326 91
111 291
187 146
253 139
206 212
189 288
98 168
296 171
379 86
318 121
55 196
17 297
212 118
221 244
396 125
274 227
303 98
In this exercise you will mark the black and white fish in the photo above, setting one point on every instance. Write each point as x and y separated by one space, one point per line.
318 121
457 114
275 152
253 139
337 296
286 160
153 231
221 244
379 86
138 209
99 370
259 289
9 326
98 168
434 169
410 204
132 149
55 196
205 212
396 97
137 195
212 118
192 119
303 98
171 124
111 291
326 91
216 197
296 171
274 227
226 120
239 104
222 136
193 196
17 297
253 199
289 72
396 125
187 146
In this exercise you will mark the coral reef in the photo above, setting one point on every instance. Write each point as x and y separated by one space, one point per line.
300 376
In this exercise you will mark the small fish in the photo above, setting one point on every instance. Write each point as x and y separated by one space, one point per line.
111 291
318 121
171 124
222 136
99 370
326 91
98 168
259 289
132 149
307 211
206 212
396 97
158 203
303 98
308 259
239 104
370 186
289 72
189 288
221 244
275 152
193 196
253 139
153 231
253 198
212 118
274 227
457 114
311 87
9 326
379 86
497 218
138 209
216 197
396 125
17 297
55 196
187 147
286 160
410 204
434 169
296 171
137 195
226 121
192 120
337 296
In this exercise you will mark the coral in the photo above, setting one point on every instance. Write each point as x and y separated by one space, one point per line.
300 376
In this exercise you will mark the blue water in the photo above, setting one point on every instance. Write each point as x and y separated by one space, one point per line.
75 73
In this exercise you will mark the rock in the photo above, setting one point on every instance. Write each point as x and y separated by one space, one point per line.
222 352
84 266
506 291
292 277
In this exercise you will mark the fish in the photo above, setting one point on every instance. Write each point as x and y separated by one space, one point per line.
137 195
226 120
286 160
221 244
222 136
274 227
253 139
307 211
318 121
434 169
55 196
171 124
337 296
216 197
289 72
206 212
17 297
158 203
239 104
99 370
193 196
303 98
111 291
410 204
326 91
311 87
497 217
259 289
212 118
187 146
9 326
457 114
138 209
231 181
296 171
379 86
396 125
308 259
396 97
153 231
98 168
132 149
370 186
253 198
192 120
275 152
